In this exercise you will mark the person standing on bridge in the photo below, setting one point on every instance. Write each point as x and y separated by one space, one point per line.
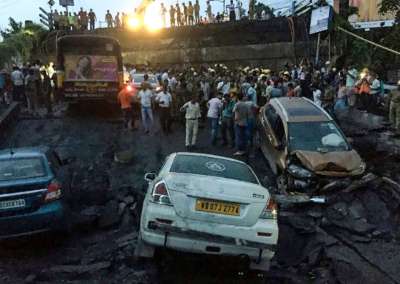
197 12
232 14
251 9
178 15
209 12
172 16
163 15
190 13
185 14
92 19
117 21
109 19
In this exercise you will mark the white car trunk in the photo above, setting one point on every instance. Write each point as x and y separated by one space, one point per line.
186 189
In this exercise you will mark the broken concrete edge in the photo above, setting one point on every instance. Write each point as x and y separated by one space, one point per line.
302 198
9 114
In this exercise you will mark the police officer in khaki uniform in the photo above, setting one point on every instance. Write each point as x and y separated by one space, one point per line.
394 111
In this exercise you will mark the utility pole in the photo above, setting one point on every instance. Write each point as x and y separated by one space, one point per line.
51 20
293 7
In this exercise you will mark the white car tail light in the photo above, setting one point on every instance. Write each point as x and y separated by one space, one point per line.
270 211
160 194
53 191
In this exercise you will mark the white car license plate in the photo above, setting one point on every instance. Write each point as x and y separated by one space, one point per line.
11 204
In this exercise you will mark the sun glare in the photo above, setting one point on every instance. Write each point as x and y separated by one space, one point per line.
152 17
133 22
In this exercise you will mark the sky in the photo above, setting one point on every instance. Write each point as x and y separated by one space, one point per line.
23 10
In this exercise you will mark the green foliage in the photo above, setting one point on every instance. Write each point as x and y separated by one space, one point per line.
390 6
19 41
259 7
14 28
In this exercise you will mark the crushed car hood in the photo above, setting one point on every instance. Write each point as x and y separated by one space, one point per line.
340 164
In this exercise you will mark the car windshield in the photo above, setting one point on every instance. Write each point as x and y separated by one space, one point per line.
21 168
139 78
212 166
316 136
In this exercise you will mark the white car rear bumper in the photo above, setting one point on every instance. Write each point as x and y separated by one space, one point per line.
178 236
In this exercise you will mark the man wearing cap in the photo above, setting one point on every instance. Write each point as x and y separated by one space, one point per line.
394 112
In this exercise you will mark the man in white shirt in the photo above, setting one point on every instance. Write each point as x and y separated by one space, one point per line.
164 100
17 79
374 97
192 115
164 76
145 95
214 109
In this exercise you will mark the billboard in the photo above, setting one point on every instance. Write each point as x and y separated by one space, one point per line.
368 15
91 68
320 19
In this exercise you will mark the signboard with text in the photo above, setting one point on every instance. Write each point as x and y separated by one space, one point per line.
320 19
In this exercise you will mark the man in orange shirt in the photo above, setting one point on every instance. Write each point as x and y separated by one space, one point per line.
125 100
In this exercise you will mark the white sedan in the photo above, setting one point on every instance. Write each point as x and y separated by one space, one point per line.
208 204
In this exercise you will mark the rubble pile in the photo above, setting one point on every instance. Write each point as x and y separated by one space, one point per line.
335 241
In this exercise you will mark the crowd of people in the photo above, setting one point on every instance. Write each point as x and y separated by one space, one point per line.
229 99
33 86
86 20
183 14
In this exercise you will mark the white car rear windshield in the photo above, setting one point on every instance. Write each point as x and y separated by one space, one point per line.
210 166
21 168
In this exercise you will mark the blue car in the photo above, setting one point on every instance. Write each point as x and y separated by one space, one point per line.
31 197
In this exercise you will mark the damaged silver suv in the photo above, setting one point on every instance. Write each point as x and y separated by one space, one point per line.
305 148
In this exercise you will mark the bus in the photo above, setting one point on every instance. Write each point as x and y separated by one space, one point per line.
89 67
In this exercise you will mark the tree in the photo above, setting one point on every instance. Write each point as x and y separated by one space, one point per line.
390 6
260 7
20 41
14 28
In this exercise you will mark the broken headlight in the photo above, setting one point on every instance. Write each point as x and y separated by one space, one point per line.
299 172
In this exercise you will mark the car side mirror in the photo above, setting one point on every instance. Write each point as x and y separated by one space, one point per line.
149 177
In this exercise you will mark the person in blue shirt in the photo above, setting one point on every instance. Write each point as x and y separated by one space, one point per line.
276 92
227 122
252 93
